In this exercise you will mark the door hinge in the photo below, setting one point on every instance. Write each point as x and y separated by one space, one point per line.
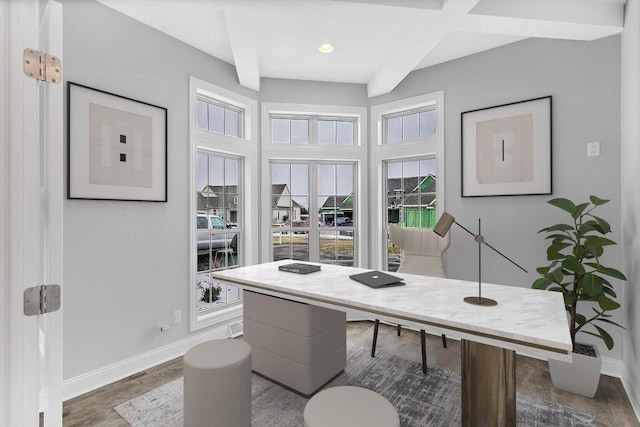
41 299
42 66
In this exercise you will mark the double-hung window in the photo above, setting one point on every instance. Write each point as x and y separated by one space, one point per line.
407 152
218 228
224 159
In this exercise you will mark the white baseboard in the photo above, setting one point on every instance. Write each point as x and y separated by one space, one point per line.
100 377
633 395
612 367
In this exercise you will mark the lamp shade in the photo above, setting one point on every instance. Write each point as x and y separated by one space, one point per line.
444 224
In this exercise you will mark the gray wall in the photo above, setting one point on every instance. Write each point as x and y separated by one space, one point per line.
318 93
631 194
584 80
127 263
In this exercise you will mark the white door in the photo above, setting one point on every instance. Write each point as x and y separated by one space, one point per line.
31 197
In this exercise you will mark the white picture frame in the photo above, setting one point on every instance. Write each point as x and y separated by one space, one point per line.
506 149
117 147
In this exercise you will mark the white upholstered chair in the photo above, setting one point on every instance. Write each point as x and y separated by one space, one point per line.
422 253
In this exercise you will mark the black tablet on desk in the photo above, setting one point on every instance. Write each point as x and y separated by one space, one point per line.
377 279
299 268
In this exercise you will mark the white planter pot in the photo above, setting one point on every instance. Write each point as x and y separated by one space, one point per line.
580 377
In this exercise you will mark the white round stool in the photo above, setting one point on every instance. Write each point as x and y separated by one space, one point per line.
350 406
217 384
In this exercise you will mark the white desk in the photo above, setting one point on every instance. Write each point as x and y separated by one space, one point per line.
527 320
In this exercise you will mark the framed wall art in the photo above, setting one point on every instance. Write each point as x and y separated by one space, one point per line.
506 150
117 147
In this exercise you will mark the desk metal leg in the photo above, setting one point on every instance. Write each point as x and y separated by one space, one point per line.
488 385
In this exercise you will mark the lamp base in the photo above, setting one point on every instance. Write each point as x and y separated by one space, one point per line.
485 302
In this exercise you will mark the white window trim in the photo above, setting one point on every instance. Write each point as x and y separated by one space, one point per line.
245 148
357 154
405 150
227 107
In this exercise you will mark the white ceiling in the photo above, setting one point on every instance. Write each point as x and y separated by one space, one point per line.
377 42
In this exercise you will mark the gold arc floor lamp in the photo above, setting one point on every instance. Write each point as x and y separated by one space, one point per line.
442 228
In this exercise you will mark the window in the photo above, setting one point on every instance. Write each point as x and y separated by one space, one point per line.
218 234
296 232
290 131
315 167
410 179
335 132
410 126
337 218
219 117
224 160
312 130
411 198
289 210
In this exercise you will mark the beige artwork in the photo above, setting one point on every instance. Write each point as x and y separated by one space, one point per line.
120 148
504 150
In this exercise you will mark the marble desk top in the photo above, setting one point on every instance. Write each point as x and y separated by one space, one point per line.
530 321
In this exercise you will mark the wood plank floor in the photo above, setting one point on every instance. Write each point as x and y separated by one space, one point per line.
610 406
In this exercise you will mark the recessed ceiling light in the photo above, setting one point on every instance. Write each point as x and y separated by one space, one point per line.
325 48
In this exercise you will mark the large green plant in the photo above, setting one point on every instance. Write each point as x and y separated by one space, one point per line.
575 269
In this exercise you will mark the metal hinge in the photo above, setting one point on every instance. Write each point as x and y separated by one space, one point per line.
41 299
42 67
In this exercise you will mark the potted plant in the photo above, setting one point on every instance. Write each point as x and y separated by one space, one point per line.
575 270
210 293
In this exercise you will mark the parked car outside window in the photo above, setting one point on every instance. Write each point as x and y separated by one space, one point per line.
218 240
298 224
343 221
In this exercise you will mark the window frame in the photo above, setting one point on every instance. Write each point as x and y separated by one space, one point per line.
215 229
312 227
404 113
244 148
318 153
313 128
226 106
381 152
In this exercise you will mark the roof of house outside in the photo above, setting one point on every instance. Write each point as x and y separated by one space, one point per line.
222 196
426 184
343 203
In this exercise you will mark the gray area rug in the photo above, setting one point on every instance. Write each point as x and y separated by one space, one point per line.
421 400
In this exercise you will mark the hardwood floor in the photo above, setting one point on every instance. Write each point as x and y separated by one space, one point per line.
610 406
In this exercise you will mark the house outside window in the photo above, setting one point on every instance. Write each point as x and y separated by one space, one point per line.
294 227
411 198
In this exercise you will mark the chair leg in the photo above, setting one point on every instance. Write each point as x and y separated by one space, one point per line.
399 329
423 344
444 340
375 337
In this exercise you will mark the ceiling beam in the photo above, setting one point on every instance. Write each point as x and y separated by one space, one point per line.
458 7
557 19
536 28
241 28
594 12
414 46
412 4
